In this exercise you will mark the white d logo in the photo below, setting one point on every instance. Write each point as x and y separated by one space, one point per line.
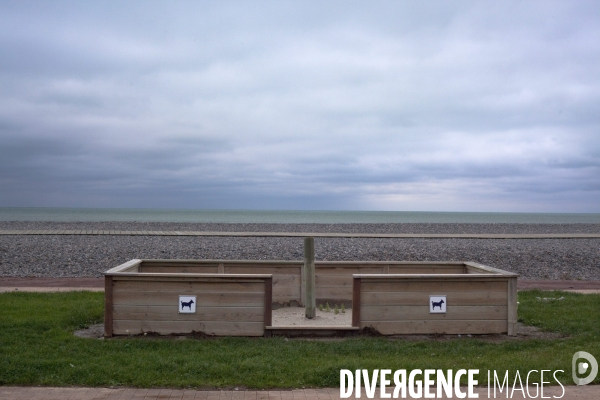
584 367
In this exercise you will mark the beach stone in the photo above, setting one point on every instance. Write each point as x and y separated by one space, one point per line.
90 255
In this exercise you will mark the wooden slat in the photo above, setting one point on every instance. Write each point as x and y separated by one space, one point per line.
168 313
390 263
432 286
341 293
285 298
324 280
178 263
286 291
480 298
348 270
182 327
287 280
263 269
171 313
121 297
442 327
405 313
427 264
475 270
189 278
126 267
485 268
173 269
427 270
206 287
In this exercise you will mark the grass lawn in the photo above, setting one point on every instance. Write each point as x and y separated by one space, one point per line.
37 347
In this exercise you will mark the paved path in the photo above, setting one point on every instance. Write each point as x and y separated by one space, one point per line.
313 234
44 393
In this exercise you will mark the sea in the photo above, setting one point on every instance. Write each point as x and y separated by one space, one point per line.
284 216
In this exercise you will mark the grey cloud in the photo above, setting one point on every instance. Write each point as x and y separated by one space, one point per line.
343 105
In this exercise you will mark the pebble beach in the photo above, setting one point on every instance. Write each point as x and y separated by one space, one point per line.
90 255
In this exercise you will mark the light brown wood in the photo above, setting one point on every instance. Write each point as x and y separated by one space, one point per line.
346 270
442 327
512 306
356 301
187 269
339 293
302 286
280 293
309 278
108 306
434 277
181 277
263 269
203 313
433 286
287 280
396 317
405 313
476 294
474 270
464 298
178 264
205 287
487 268
323 280
130 266
209 299
421 270
220 328
268 312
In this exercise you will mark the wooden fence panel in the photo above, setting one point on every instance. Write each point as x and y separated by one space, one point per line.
401 305
224 308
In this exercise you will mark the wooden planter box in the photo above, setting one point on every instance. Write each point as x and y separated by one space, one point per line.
139 302
236 298
480 300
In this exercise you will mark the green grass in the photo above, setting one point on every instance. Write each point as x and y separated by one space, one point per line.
37 347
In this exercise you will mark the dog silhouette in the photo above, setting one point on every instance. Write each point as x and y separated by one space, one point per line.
437 304
188 304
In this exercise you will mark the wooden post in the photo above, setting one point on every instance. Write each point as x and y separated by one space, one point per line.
356 301
268 317
512 307
309 273
108 306
302 286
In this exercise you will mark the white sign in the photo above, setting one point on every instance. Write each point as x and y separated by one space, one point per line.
437 304
187 304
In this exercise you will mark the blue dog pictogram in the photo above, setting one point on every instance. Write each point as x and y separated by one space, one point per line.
435 304
187 304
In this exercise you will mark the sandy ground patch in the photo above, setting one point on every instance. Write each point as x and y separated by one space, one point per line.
295 316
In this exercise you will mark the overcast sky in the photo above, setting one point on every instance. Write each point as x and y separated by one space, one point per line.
332 105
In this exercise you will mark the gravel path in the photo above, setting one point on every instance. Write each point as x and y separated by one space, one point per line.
89 256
